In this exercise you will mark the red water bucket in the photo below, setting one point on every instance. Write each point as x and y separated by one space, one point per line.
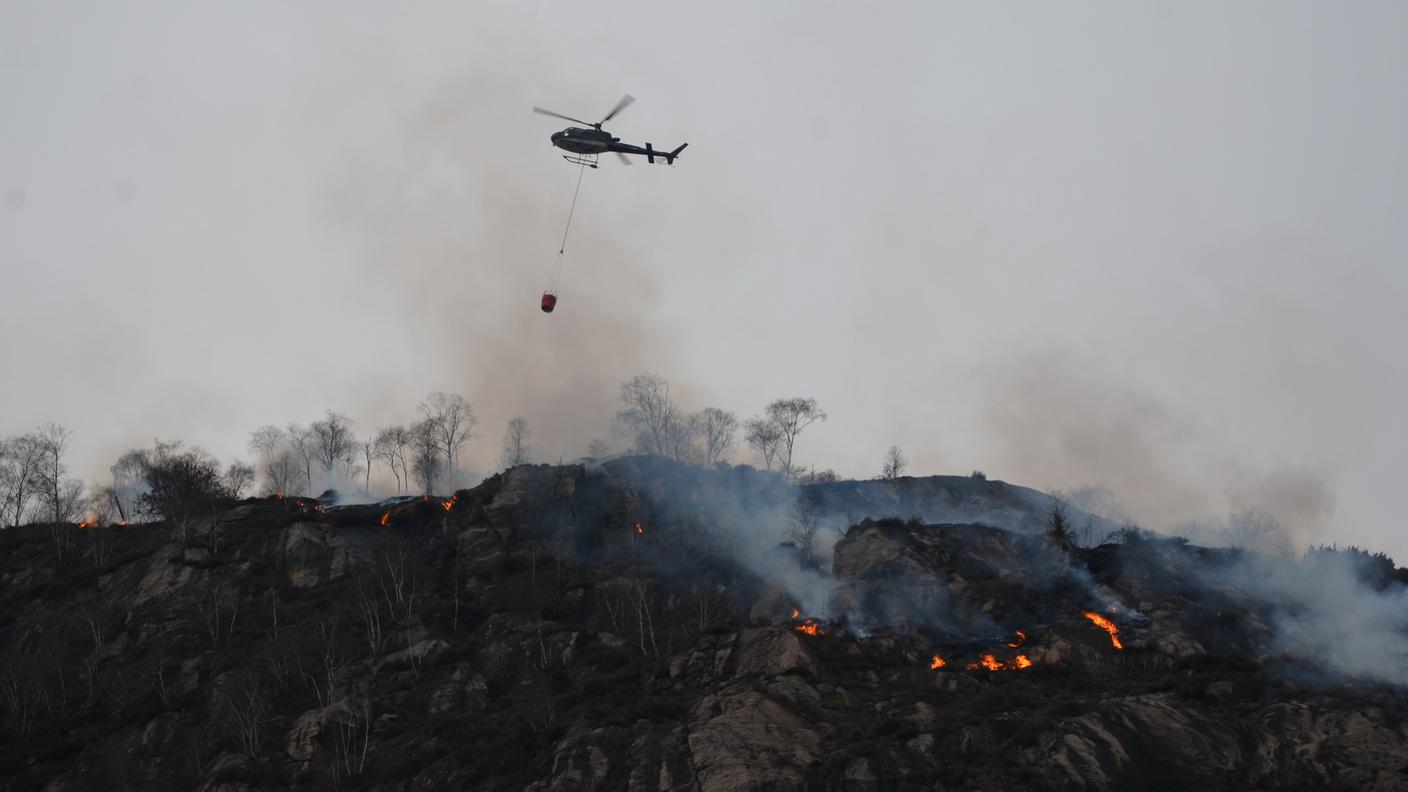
549 302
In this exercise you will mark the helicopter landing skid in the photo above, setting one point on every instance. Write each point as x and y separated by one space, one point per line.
588 160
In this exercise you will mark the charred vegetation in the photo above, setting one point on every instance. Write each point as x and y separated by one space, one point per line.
643 623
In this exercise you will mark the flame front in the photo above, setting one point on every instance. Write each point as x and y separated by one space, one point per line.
990 662
938 662
811 627
91 521
639 529
1106 625
796 613
450 504
1021 639
386 518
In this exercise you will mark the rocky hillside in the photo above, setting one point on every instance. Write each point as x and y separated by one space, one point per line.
643 626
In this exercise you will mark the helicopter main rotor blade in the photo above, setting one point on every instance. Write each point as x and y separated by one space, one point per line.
621 105
624 159
560 115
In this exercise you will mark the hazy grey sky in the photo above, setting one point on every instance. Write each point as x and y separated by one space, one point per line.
1155 246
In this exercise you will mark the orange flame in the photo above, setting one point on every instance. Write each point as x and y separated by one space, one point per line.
1021 639
1023 662
386 518
124 522
91 521
991 663
279 494
1106 625
796 612
639 529
811 627
938 662
450 504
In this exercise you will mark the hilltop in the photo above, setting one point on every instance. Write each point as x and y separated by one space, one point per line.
648 625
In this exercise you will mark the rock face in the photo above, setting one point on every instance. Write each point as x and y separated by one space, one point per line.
562 629
947 499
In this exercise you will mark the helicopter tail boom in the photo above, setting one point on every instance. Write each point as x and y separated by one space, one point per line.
648 151
650 154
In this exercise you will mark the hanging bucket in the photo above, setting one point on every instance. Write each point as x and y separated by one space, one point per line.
549 302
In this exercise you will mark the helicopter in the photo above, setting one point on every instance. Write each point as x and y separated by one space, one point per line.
585 144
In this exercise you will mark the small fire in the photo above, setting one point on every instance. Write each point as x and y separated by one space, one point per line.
639 529
91 521
124 522
1021 639
450 504
811 627
279 494
425 499
796 613
1106 625
991 663
386 518
938 662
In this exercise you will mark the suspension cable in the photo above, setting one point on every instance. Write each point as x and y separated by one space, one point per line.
562 248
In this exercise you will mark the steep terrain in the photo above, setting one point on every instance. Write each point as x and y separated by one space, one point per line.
640 626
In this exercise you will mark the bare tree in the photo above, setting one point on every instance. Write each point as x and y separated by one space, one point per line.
791 417
802 527
127 482
598 449
894 464
238 477
1058 520
60 497
450 420
20 459
390 447
681 439
717 429
182 486
22 695
425 456
333 443
300 439
268 443
283 470
516 449
1257 531
649 412
352 739
764 438
368 451
246 712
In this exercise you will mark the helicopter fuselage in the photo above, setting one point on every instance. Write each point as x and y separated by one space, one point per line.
584 141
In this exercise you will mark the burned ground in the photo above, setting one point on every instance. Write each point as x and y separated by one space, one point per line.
564 628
